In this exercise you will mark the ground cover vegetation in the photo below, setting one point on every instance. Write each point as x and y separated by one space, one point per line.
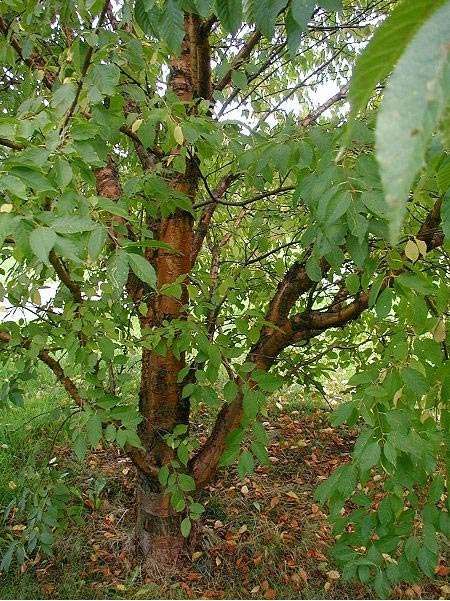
211 223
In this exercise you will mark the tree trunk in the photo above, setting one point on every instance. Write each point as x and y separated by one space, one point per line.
160 402
158 534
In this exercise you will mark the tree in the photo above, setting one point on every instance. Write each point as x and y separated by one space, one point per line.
166 165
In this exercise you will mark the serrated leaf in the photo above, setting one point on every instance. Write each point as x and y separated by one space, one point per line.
171 25
260 433
73 224
230 391
302 11
229 13
239 79
383 51
163 475
79 446
110 433
406 121
64 173
145 13
42 240
94 430
185 527
118 269
412 251
178 135
370 456
186 482
246 464
265 14
313 269
96 241
415 380
142 268
105 78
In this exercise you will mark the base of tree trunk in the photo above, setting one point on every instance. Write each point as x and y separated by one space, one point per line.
158 534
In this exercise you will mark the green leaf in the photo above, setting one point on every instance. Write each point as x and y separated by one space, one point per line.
142 268
144 13
64 173
381 585
415 380
105 78
196 508
42 240
110 432
118 269
171 25
239 79
186 527
186 482
341 414
230 14
265 13
370 456
427 561
230 391
313 269
73 224
7 557
79 446
260 452
97 241
384 49
35 180
384 303
406 121
411 548
302 11
259 432
246 464
94 430
417 282
250 404
163 474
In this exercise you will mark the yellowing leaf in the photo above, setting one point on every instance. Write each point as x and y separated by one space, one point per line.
178 135
136 125
412 251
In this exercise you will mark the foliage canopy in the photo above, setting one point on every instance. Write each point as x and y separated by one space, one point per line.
168 166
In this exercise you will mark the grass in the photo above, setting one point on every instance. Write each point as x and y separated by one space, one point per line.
261 538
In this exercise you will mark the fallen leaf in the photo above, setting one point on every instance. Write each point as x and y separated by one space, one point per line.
303 575
333 575
443 571
270 594
274 501
244 490
292 495
196 555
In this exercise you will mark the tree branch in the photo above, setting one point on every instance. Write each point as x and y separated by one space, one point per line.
210 206
302 326
241 57
243 203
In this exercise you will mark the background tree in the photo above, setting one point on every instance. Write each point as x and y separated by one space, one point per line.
162 163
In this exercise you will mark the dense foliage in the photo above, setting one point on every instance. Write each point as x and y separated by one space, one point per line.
169 166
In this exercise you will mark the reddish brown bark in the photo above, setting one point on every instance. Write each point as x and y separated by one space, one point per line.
158 527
